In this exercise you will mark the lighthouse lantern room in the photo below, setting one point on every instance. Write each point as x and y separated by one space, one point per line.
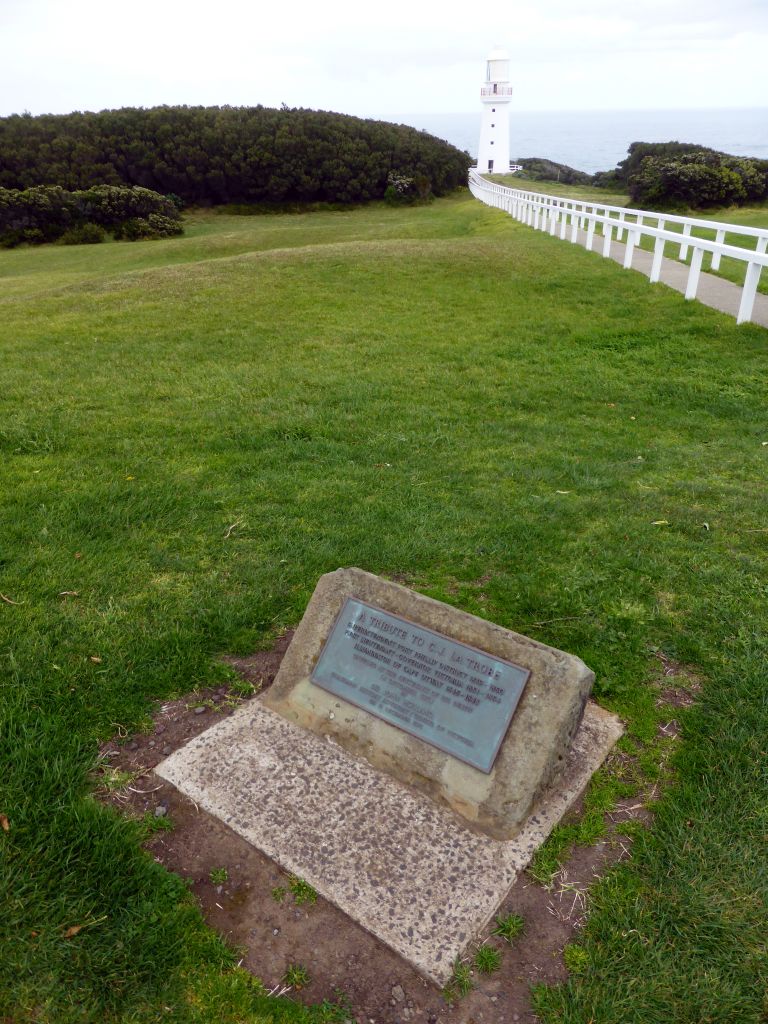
495 94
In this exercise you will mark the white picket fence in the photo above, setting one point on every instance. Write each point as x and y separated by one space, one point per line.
565 217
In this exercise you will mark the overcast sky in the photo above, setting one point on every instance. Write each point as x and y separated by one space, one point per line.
384 59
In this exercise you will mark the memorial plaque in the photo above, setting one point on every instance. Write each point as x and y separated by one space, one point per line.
476 716
453 696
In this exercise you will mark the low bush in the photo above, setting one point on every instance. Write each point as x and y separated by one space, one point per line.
154 226
47 213
84 234
681 175
638 151
537 168
698 179
402 190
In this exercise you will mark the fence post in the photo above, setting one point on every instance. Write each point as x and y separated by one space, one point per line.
715 263
590 231
658 256
607 232
693 273
629 248
748 292
684 247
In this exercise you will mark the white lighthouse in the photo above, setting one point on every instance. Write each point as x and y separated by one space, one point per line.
495 94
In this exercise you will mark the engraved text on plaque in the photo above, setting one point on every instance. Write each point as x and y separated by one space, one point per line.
453 696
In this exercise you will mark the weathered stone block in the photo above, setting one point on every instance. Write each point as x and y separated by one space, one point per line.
532 752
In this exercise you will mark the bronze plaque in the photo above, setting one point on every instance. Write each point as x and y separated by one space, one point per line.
453 696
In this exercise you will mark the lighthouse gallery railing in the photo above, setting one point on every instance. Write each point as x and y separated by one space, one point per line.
556 215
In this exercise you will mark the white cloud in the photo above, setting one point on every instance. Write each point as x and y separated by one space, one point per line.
380 60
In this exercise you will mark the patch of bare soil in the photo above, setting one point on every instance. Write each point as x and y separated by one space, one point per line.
678 688
274 931
679 684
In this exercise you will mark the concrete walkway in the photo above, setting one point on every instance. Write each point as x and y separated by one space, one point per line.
712 291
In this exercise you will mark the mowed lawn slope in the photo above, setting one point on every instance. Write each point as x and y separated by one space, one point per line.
192 431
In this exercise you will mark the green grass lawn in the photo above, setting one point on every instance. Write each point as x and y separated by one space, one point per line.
439 393
555 188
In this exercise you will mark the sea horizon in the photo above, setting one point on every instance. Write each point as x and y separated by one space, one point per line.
596 140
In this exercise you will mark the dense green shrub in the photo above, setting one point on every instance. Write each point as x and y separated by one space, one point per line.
214 155
155 225
700 178
111 205
666 151
45 213
537 168
35 215
608 180
84 234
680 175
400 190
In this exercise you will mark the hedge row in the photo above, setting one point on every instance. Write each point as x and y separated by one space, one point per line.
214 155
48 213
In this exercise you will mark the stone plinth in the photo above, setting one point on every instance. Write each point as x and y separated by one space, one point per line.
532 751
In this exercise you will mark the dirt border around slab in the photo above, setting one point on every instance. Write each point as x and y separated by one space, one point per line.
254 909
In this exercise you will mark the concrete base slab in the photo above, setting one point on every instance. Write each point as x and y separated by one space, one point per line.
406 869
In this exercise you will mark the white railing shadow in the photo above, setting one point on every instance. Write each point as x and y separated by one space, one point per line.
557 215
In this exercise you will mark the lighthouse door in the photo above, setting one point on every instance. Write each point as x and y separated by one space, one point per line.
490 166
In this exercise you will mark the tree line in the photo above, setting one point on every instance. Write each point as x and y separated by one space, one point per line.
217 155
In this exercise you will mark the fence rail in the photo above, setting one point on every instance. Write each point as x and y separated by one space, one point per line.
557 215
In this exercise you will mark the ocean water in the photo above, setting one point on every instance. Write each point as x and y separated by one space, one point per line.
597 140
